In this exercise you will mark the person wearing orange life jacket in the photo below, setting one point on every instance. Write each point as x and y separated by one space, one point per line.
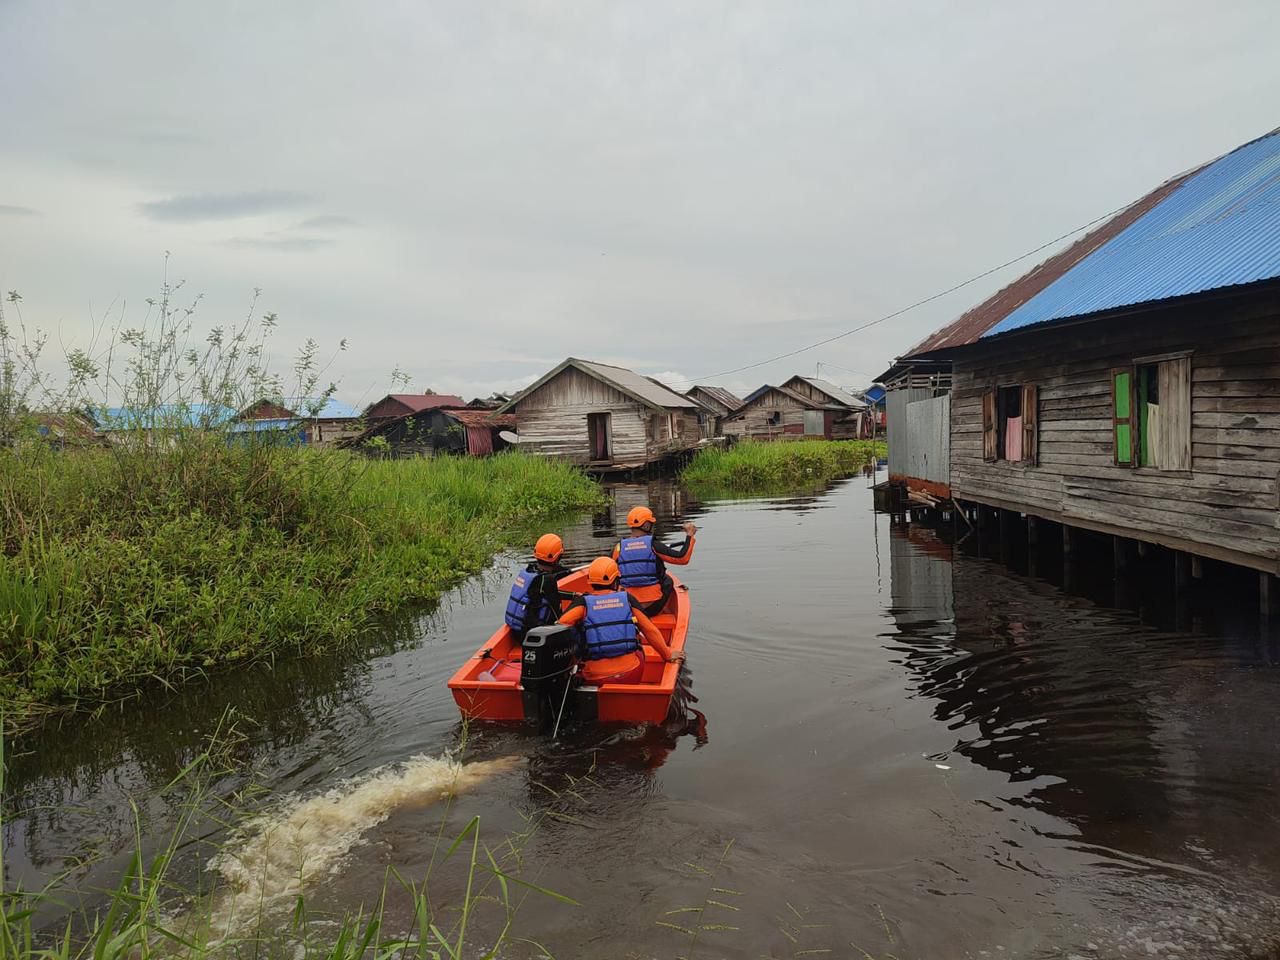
642 559
612 627
535 594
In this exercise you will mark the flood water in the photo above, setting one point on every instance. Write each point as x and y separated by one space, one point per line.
898 748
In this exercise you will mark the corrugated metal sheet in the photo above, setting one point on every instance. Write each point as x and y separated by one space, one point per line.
650 391
831 390
164 415
483 418
720 395
1218 227
419 402
645 390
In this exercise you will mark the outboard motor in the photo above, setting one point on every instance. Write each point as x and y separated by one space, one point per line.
546 673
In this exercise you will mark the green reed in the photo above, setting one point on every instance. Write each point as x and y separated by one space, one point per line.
158 562
753 467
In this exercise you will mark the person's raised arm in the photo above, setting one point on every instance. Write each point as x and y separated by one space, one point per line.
681 553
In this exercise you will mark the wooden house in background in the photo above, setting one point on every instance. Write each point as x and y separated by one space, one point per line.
800 407
1130 386
317 422
716 403
776 413
396 405
461 430
854 423
604 417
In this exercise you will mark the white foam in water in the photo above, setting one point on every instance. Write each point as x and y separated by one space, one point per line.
279 854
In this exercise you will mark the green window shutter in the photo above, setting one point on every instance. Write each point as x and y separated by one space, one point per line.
1122 416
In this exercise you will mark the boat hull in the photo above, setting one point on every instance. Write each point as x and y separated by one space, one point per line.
487 686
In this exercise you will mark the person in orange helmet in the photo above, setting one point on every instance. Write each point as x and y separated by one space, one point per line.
612 626
535 594
642 558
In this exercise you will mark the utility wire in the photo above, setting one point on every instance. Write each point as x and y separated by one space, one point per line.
919 303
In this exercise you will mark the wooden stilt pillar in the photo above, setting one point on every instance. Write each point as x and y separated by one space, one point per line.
1005 546
1182 590
1181 571
1068 564
1266 595
1197 568
1120 555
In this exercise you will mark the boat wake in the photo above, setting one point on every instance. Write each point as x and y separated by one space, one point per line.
274 858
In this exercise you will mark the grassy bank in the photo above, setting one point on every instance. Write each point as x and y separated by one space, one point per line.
770 468
119 568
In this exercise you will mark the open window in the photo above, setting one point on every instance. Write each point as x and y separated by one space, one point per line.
774 418
1151 413
1010 418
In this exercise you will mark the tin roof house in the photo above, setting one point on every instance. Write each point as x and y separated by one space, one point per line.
1129 385
604 417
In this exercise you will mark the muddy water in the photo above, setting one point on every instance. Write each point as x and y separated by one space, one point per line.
898 747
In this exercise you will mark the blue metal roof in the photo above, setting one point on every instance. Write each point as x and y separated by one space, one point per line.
164 415
1219 228
331 409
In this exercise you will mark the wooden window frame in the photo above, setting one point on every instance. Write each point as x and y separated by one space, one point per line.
1134 420
991 425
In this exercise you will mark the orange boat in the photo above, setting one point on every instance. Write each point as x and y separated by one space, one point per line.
488 687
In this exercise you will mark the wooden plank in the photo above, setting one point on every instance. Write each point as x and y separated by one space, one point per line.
1174 438
1202 479
1238 388
1257 438
1256 561
1203 404
1190 504
1244 537
1236 421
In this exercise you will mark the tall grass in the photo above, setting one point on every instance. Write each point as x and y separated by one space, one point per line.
752 467
112 576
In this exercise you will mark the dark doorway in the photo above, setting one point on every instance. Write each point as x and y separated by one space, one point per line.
599 433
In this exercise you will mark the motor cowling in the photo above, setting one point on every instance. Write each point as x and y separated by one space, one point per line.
547 661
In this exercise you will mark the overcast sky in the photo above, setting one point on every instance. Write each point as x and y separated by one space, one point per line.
472 191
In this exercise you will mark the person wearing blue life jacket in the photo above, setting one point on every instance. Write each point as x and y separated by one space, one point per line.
535 594
643 560
613 626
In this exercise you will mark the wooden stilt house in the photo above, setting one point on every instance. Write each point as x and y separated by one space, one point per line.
1131 385
605 417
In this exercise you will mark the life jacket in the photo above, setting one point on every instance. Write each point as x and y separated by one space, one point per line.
518 603
608 628
637 562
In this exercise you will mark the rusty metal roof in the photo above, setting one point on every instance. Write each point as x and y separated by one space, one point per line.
483 418
419 402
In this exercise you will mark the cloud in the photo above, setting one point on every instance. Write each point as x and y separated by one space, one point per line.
191 208
285 244
9 210
327 222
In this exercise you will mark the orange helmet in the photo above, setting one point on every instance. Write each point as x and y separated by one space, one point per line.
549 548
639 516
603 572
